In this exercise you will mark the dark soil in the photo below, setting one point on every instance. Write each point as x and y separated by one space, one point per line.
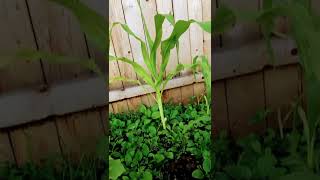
180 169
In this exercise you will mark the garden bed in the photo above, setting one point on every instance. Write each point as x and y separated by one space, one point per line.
148 151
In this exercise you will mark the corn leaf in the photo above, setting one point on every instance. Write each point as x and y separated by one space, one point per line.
144 50
121 78
137 68
167 45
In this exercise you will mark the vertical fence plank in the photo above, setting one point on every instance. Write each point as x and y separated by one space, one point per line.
199 90
282 89
134 22
181 13
187 92
173 95
206 16
219 106
16 33
58 31
104 116
35 143
79 133
245 96
120 40
196 33
101 8
120 106
6 153
114 72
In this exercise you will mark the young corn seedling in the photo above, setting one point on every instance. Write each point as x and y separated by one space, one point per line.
206 71
157 79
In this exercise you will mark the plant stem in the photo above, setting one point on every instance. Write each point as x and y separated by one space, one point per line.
160 106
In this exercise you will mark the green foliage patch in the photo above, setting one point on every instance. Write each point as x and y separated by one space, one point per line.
144 148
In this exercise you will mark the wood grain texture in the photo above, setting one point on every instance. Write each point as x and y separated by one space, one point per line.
6 152
79 133
180 8
58 31
101 8
120 106
220 120
35 143
196 33
114 72
187 93
172 95
121 41
15 34
104 120
245 98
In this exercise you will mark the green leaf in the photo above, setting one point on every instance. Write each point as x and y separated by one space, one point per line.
159 158
137 68
145 149
147 175
143 109
116 168
198 174
169 155
152 130
206 165
155 115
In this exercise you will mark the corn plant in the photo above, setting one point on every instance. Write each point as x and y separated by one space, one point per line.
156 78
206 71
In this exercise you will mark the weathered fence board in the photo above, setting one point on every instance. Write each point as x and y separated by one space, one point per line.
30 105
79 133
245 98
282 87
15 33
58 31
220 119
35 143
6 153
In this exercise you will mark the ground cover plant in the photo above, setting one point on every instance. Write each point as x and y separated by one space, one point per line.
149 152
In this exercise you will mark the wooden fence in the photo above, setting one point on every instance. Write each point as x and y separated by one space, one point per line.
62 109
37 119
45 108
